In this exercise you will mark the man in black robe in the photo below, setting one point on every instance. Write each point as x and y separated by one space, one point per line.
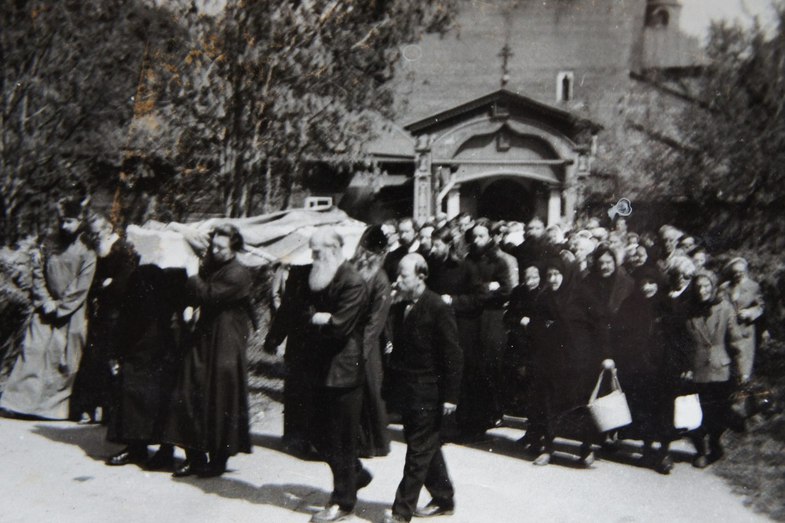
338 308
210 403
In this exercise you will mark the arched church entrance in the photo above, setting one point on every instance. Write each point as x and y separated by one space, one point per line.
506 199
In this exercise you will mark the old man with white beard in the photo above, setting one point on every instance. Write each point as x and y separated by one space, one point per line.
339 305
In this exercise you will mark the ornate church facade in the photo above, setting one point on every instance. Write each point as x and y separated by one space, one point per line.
520 108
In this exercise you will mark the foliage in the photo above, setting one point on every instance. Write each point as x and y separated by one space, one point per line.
67 81
267 90
726 166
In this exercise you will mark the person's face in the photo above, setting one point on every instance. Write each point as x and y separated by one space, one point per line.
621 225
615 242
220 249
681 280
425 237
531 278
535 229
406 233
704 289
606 265
649 288
439 249
555 278
465 223
699 259
737 272
554 236
670 243
632 240
480 237
408 280
687 243
70 226
321 252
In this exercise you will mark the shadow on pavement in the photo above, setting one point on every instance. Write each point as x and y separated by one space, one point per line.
303 499
90 438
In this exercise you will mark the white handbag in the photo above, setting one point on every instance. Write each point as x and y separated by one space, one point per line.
687 413
610 411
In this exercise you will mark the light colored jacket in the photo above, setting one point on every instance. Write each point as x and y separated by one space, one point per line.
747 301
716 353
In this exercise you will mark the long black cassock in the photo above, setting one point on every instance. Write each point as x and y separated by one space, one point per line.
210 403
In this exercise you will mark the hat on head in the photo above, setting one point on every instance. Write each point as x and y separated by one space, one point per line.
374 239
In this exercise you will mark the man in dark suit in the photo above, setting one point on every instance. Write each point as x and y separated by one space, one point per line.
338 309
426 364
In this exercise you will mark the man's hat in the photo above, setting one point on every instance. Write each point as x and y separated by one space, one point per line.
374 239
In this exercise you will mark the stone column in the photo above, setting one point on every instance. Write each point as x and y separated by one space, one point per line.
453 202
554 206
423 199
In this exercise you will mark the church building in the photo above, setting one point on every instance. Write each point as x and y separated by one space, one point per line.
522 109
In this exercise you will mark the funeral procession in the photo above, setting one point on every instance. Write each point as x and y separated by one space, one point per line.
392 260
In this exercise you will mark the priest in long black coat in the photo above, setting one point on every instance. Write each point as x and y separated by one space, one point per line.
210 403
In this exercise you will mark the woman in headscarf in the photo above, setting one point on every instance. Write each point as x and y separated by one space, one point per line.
637 343
569 339
518 359
717 363
607 281
374 437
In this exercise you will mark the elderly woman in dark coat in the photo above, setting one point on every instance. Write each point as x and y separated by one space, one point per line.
569 337
608 281
640 352
210 402
718 364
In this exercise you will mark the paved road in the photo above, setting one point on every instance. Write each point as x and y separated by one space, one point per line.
54 471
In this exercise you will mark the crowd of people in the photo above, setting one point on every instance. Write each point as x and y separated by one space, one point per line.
444 326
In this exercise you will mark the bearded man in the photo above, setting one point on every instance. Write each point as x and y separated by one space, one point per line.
63 268
339 301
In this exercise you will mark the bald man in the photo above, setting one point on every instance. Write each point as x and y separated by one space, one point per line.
425 366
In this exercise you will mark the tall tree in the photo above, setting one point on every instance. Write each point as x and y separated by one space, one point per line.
68 76
727 162
271 88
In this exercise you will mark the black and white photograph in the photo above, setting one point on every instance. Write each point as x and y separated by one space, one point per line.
392 261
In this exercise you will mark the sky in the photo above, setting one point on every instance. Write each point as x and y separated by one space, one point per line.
696 15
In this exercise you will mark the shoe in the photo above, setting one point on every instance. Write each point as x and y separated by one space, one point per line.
364 478
189 468
126 457
433 509
161 460
700 462
587 458
394 518
543 459
331 513
664 465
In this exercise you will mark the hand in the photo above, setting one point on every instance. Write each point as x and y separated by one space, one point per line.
446 298
525 321
494 286
188 314
448 408
687 375
388 347
106 283
321 318
49 307
114 367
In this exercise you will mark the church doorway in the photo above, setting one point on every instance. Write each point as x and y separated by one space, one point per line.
506 200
